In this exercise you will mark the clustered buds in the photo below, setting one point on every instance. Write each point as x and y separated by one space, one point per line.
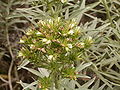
55 44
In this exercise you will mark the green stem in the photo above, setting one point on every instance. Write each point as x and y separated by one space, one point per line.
108 12
56 80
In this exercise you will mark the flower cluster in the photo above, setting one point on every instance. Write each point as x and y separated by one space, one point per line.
55 45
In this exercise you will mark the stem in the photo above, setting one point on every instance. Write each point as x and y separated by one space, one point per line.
12 62
55 80
108 12
1 78
56 83
8 44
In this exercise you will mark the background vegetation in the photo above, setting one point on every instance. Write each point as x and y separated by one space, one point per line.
100 64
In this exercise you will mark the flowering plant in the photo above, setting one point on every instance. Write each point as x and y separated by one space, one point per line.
55 45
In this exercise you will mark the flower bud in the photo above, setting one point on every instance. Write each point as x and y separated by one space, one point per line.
69 45
71 25
34 41
77 30
50 21
63 1
22 41
50 57
29 32
38 33
32 46
58 19
67 49
71 32
80 45
90 39
46 41
41 22
20 54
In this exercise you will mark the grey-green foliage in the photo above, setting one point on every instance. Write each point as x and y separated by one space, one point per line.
103 55
42 9
105 52
10 25
8 15
65 83
8 20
